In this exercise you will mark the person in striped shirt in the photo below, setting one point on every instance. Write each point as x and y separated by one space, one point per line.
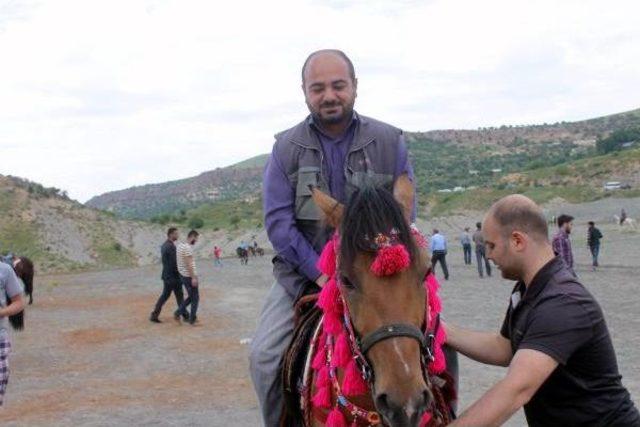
561 242
189 276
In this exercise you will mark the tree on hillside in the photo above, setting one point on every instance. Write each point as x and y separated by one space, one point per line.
616 139
196 222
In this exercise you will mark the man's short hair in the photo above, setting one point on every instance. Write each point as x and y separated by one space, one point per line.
563 219
435 231
591 223
171 230
341 54
193 233
521 217
478 225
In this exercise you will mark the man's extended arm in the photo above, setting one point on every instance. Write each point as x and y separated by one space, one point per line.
529 369
279 216
485 347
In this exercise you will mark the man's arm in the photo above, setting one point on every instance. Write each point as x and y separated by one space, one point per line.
279 217
484 347
529 369
16 306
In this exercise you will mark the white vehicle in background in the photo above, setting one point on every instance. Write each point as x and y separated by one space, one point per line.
612 185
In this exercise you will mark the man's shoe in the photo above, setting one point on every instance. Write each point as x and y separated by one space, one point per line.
154 318
195 322
176 317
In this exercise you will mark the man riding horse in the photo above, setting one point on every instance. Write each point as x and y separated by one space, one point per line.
337 151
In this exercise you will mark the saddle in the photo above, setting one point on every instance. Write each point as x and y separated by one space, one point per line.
307 318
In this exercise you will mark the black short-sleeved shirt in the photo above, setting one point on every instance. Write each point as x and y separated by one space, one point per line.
557 316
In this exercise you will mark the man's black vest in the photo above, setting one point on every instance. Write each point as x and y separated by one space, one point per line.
371 159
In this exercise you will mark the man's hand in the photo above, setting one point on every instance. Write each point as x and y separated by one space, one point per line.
194 281
529 369
320 281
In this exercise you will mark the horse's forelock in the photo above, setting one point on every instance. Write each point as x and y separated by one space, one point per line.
372 211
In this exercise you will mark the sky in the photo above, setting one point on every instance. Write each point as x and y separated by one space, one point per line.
98 96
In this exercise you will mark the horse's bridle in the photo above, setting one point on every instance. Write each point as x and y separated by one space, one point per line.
361 346
398 330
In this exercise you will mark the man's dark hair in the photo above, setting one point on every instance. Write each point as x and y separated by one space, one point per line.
192 233
435 231
478 225
563 219
341 54
521 217
171 230
591 223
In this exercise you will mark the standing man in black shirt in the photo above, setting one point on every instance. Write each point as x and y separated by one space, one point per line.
170 275
554 339
593 241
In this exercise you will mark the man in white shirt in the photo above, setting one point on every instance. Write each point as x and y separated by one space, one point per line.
188 274
438 249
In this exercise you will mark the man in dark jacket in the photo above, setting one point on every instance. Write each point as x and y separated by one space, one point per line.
593 241
170 275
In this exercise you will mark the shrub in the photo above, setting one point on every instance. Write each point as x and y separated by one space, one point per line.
195 222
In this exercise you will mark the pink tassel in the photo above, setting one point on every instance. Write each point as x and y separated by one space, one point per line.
331 323
390 260
342 351
353 383
336 418
322 377
434 299
322 399
439 363
426 419
320 358
327 261
329 296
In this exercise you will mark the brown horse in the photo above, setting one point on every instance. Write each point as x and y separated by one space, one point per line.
384 330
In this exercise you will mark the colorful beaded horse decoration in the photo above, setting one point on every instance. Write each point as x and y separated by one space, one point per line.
376 358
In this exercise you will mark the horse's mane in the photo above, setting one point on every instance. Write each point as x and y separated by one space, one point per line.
370 211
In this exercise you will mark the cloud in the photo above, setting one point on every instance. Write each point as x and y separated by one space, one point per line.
105 95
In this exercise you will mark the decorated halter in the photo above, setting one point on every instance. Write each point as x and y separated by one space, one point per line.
339 347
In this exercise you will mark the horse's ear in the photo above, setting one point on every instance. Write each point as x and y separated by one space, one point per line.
332 209
404 192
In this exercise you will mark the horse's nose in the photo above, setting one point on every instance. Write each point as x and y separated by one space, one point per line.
406 414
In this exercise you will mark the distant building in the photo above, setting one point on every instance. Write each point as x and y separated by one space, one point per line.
496 170
473 172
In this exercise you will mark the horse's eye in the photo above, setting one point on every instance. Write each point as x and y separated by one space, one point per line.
347 283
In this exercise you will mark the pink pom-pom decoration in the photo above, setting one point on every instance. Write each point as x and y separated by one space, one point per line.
353 383
336 418
322 377
320 358
327 261
390 260
426 419
322 399
342 351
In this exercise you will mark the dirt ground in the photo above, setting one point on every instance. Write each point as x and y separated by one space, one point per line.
90 357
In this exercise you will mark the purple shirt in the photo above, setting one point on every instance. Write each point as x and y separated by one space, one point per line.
562 246
279 198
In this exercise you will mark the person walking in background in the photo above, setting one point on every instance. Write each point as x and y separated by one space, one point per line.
438 249
465 240
593 241
623 216
11 303
217 256
170 276
561 242
188 275
481 256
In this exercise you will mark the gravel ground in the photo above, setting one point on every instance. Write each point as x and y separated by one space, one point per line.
90 357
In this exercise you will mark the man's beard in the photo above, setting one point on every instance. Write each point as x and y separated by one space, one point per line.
347 112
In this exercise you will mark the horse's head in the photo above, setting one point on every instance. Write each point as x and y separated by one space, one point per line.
376 221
